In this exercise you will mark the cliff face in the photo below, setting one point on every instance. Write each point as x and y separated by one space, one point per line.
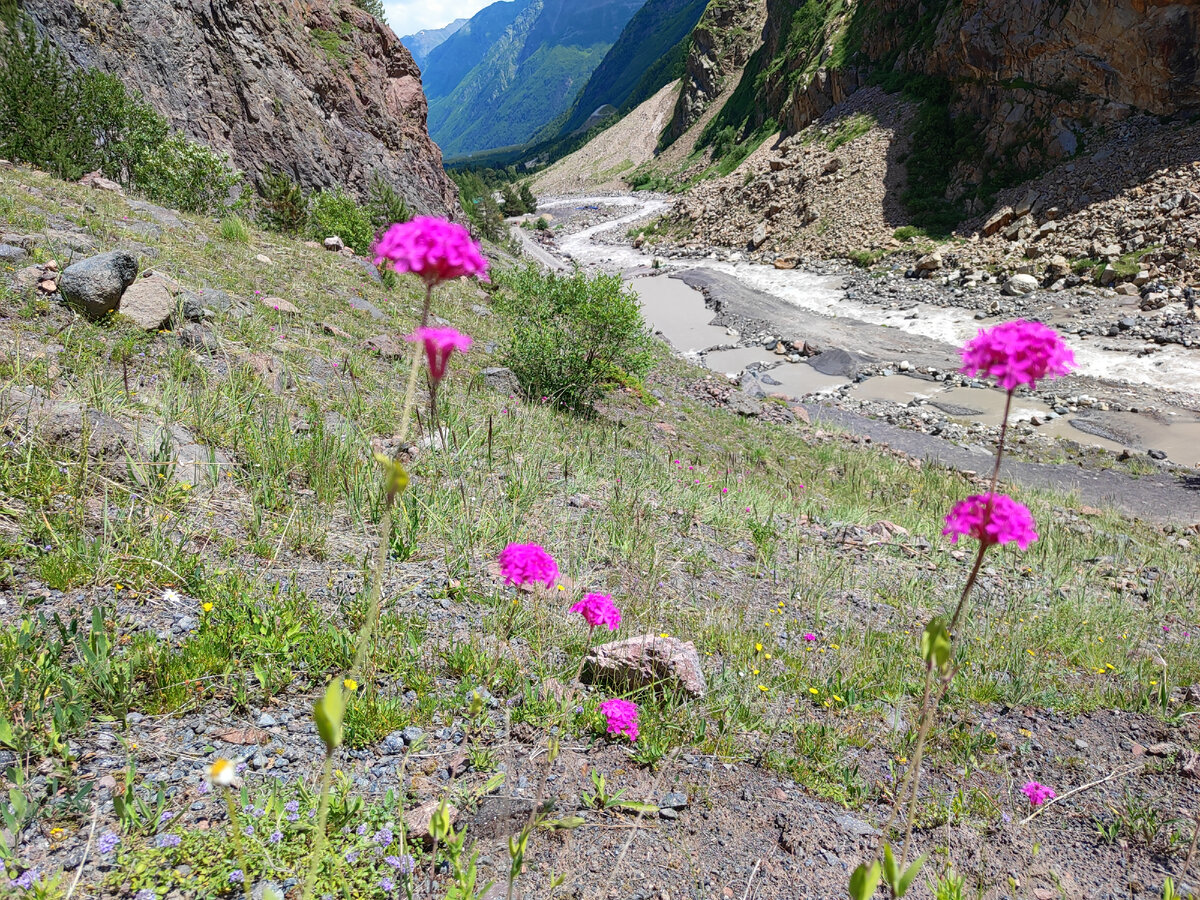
316 88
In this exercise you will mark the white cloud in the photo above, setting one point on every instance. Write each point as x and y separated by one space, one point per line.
410 16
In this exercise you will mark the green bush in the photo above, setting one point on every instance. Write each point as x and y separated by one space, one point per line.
385 205
480 206
185 175
282 205
572 335
337 213
234 230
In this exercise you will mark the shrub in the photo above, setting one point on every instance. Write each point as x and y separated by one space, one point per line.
185 175
337 213
385 205
480 206
282 206
374 7
572 334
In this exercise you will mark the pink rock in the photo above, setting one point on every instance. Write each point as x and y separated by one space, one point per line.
643 661
417 821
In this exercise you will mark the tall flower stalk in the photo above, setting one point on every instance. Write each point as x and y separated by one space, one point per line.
1015 354
436 251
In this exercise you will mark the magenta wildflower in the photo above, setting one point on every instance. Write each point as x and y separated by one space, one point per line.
439 344
1038 793
599 609
810 637
622 716
1016 353
528 564
991 519
434 249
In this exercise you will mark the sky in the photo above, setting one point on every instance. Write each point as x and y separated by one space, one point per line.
410 16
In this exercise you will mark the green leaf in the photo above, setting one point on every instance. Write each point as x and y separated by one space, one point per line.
635 806
935 644
329 713
564 824
891 869
864 881
909 874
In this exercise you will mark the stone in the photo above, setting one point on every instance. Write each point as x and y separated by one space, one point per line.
332 330
195 336
647 660
999 219
279 305
1128 289
334 244
26 279
95 285
744 404
10 254
759 236
785 262
836 362
930 262
1019 285
502 381
674 800
832 166
97 181
418 819
205 303
148 304
1057 267
387 346
1108 275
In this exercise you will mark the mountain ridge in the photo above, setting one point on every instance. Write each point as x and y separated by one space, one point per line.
421 43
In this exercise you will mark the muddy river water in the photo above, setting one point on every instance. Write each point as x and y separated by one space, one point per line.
678 312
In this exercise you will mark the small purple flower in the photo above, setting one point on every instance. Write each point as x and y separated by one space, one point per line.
107 843
352 856
163 841
248 808
204 788
248 831
236 876
402 864
258 813
165 817
362 830
145 894
25 880
383 837
292 806
276 837
387 885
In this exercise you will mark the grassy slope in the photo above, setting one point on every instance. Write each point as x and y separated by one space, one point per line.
736 534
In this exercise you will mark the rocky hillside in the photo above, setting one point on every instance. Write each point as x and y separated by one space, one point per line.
721 43
319 89
1008 87
515 67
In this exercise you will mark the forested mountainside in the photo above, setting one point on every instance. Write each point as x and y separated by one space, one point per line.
515 67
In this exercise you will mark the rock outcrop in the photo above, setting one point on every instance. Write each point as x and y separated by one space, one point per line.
721 44
320 90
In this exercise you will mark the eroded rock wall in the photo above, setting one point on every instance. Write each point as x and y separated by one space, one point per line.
319 89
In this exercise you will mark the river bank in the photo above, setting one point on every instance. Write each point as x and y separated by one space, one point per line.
882 348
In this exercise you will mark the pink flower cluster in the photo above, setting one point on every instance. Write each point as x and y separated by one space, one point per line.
991 519
434 249
622 716
439 344
528 564
1016 353
599 609
1038 793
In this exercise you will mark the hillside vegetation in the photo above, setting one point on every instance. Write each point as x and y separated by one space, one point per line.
189 517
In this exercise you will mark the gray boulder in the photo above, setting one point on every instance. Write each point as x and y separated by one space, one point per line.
502 381
205 303
95 285
836 362
11 254
1019 285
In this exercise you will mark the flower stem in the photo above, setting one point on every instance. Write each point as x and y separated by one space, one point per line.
583 656
236 836
1000 446
428 304
322 818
